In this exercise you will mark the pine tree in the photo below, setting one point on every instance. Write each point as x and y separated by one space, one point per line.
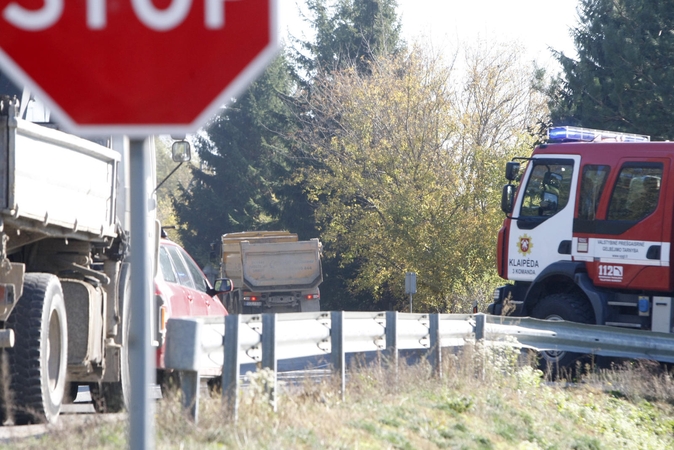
622 78
350 32
243 153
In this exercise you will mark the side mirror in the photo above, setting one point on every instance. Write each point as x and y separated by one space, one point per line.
549 203
508 198
512 169
181 151
223 285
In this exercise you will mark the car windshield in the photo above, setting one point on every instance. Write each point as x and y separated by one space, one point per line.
181 269
166 266
197 275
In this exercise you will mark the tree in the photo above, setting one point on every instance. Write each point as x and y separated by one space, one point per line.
621 79
350 32
243 153
411 171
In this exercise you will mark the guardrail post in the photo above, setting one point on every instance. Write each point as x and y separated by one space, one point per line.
189 385
392 340
435 350
269 354
480 322
231 366
337 346
183 348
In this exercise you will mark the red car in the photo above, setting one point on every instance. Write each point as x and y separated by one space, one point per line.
182 290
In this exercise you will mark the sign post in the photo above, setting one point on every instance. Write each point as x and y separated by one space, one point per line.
410 285
141 363
131 68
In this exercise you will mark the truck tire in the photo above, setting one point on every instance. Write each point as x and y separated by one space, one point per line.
229 302
169 383
38 361
114 396
236 303
571 308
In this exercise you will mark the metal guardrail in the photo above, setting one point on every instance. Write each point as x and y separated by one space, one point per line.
206 346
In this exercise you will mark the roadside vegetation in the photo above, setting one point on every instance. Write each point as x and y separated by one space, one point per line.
485 399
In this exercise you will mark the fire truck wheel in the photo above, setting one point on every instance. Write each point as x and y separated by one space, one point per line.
571 308
38 361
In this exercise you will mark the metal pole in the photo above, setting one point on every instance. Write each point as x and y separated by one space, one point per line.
435 350
392 340
141 364
480 323
337 342
231 367
410 302
269 354
189 385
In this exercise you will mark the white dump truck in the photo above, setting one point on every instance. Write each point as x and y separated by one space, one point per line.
64 279
272 271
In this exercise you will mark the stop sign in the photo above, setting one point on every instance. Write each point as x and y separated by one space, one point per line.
136 67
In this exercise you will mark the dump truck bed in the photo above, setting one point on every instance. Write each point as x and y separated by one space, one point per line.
231 250
54 184
281 265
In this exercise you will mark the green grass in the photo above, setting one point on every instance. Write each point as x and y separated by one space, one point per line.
485 399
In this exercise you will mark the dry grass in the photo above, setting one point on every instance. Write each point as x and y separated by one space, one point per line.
486 399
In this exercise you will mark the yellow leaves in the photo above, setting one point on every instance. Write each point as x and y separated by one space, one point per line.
410 168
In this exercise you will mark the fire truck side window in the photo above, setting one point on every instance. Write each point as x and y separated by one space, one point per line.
547 190
591 188
636 192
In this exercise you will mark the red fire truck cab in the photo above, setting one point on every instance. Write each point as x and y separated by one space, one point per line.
588 231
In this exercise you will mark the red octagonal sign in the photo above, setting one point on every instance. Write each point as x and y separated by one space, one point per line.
136 67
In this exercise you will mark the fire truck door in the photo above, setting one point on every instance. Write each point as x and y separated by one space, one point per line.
626 246
541 229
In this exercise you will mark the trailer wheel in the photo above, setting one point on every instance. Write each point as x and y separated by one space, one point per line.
38 361
571 308
115 396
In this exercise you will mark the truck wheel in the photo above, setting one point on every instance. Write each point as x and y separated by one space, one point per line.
169 383
115 396
39 358
229 303
571 308
236 303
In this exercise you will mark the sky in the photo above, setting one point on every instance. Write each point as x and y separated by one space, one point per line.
444 24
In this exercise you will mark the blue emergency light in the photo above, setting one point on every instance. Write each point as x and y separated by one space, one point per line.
577 134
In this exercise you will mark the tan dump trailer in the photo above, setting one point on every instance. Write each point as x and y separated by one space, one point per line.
272 271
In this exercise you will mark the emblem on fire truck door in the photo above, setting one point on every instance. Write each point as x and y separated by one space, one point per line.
525 245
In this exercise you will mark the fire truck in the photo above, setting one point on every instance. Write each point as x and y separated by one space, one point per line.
588 231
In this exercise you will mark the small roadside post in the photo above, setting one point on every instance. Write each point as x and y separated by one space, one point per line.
410 285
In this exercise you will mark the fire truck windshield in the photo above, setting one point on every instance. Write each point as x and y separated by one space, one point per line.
548 187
